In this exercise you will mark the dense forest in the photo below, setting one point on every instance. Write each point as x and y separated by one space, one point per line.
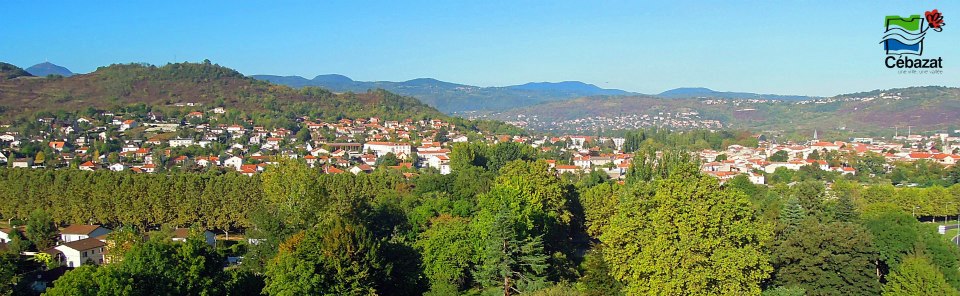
501 223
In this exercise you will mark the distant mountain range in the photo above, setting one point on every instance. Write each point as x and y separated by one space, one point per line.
47 68
700 92
924 108
453 97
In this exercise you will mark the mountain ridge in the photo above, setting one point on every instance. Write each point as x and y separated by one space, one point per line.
48 68
204 84
926 107
703 92
453 97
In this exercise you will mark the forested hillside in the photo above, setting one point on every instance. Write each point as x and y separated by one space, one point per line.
204 85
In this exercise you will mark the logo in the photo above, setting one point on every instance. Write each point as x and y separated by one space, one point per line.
904 36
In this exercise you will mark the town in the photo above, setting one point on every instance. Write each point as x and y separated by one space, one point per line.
195 142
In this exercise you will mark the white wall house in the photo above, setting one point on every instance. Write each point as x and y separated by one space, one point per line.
440 162
77 232
234 162
181 234
76 253
382 148
5 235
180 142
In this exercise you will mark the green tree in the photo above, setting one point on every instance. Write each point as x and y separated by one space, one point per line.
687 237
9 273
290 188
826 259
845 210
792 215
917 276
335 258
447 253
596 279
388 159
40 159
779 156
600 203
41 230
785 291
80 281
18 244
510 262
156 267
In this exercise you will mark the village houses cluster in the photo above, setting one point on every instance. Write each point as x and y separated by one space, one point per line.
151 143
148 145
754 162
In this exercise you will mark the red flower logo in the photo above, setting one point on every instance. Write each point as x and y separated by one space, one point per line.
935 19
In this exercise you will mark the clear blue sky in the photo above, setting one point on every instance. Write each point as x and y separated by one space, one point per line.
802 47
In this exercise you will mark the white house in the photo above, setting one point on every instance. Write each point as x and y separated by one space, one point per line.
180 142
382 148
77 232
5 235
440 162
234 162
117 167
181 235
128 124
76 253
756 178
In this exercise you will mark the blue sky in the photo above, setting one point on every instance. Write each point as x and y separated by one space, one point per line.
800 47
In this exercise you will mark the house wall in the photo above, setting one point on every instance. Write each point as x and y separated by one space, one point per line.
75 237
75 258
72 237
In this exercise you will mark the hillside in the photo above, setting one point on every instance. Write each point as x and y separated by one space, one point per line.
701 92
202 84
47 68
924 108
8 71
453 97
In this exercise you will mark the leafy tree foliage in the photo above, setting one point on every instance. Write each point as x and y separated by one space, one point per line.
687 237
779 156
338 258
510 261
917 276
41 230
447 254
155 267
825 259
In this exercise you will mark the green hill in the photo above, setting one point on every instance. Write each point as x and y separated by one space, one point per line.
925 108
203 85
8 71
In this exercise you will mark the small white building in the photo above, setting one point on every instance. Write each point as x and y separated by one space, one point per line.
382 148
440 162
178 142
76 253
5 235
181 235
234 162
117 167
